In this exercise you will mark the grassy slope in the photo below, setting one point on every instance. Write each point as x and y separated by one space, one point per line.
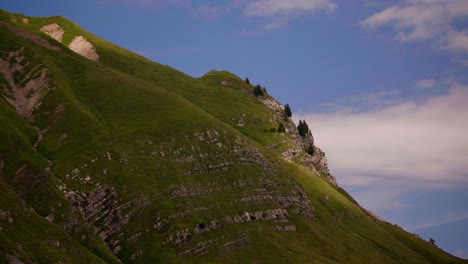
125 102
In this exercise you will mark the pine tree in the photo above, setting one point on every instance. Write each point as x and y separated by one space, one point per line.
247 80
258 90
281 128
287 111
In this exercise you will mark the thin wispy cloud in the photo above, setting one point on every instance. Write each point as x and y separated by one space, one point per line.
426 84
409 145
148 3
149 53
443 221
209 12
415 20
274 14
279 13
277 7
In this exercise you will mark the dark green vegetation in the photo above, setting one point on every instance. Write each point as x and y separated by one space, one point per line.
303 129
287 111
126 160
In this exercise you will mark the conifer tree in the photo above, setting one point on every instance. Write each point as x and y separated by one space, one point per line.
287 111
247 80
258 90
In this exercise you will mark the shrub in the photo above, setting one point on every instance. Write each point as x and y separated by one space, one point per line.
281 128
310 150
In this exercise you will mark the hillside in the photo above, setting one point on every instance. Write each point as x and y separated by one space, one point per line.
108 157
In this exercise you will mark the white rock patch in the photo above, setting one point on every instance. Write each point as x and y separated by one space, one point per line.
54 30
83 47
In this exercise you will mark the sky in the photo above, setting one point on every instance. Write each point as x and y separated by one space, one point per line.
383 85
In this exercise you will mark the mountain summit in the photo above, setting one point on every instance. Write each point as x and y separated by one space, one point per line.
108 157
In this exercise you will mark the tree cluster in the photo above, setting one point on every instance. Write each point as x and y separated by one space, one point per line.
258 91
303 129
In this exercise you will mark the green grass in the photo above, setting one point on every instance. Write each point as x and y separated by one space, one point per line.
148 118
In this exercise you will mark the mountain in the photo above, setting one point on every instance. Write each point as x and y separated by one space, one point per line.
108 157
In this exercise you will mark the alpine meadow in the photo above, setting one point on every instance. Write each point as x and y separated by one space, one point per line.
109 157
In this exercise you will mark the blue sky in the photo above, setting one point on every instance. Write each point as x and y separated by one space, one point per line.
382 84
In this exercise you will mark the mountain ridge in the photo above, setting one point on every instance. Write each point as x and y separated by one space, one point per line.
138 162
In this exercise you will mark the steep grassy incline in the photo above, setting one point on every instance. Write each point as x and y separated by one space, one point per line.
109 157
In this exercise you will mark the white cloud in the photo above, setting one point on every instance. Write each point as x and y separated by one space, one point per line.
425 19
408 145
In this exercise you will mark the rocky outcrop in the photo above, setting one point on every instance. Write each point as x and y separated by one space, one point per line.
211 151
53 30
100 205
286 228
272 214
179 237
25 85
82 46
297 145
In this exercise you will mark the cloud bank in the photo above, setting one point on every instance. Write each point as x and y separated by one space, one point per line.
410 145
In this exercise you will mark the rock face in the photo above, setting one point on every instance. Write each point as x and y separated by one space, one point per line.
25 93
79 44
296 147
83 47
54 30
100 204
